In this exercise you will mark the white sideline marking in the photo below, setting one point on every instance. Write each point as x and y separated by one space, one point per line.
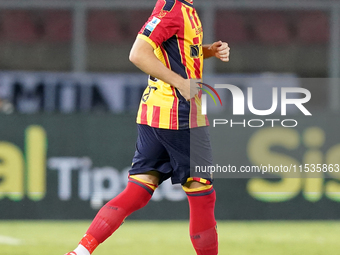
10 240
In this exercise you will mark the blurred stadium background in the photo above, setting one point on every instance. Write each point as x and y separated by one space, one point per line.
68 99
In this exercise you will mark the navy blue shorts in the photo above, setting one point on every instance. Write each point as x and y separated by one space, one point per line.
173 153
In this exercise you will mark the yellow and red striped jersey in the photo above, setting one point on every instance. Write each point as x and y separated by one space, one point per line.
175 32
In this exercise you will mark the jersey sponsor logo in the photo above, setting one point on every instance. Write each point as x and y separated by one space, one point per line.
194 51
152 24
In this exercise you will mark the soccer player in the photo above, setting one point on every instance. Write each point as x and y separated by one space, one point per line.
172 132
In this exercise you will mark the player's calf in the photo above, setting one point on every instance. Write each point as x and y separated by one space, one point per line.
136 195
203 232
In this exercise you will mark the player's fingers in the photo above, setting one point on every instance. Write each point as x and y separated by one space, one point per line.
226 59
224 53
223 57
223 49
223 46
215 45
218 43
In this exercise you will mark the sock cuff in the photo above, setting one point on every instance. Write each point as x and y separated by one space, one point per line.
209 189
89 242
202 188
148 186
198 179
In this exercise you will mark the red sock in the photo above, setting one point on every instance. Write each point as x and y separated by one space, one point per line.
203 232
135 196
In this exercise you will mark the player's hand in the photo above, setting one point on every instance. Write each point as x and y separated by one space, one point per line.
220 50
189 88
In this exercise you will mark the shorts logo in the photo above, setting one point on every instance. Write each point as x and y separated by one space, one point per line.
152 24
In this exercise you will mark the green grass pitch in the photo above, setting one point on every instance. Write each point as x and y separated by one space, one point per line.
171 237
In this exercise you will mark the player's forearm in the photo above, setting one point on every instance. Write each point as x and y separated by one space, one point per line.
153 66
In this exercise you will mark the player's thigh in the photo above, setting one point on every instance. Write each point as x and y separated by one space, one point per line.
151 161
150 177
188 148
